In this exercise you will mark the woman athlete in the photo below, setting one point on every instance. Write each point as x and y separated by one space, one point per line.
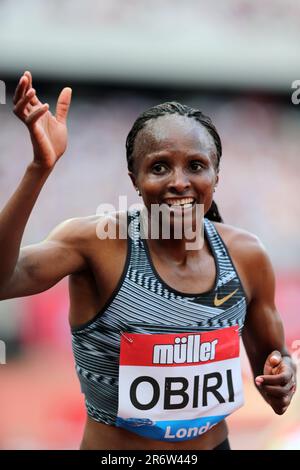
155 325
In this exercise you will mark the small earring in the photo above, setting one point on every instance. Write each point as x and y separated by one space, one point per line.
138 191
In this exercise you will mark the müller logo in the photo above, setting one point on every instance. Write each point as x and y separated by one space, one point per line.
185 350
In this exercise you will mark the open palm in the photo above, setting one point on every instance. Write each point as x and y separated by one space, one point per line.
48 132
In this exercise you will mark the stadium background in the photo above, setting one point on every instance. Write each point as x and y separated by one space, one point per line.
236 63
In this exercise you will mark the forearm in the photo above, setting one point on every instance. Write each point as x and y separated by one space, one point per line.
14 217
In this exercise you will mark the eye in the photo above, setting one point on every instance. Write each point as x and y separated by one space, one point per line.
196 166
159 168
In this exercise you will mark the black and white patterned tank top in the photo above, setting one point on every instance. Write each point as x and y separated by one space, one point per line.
143 303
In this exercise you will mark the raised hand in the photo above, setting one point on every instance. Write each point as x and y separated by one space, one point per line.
48 132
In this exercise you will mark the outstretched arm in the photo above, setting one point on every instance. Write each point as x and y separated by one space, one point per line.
263 337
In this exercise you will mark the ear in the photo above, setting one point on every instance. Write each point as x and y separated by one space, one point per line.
133 178
217 180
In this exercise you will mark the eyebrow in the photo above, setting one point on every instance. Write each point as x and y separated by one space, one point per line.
166 154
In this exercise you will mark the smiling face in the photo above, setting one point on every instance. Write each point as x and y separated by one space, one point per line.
174 161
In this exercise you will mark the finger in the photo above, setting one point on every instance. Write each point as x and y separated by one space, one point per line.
30 108
29 76
63 104
275 358
20 108
279 379
21 89
33 118
34 100
286 389
278 392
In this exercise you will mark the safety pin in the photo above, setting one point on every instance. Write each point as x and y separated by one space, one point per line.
128 339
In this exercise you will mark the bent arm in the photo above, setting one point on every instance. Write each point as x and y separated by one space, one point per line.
263 337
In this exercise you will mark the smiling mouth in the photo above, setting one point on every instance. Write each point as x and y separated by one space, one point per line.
185 203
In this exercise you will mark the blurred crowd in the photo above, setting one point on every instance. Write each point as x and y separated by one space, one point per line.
259 168
117 13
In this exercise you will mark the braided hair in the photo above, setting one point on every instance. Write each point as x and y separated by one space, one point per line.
168 108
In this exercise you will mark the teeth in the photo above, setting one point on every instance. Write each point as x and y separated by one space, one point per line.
186 202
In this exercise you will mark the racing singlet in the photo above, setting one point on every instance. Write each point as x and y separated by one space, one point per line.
156 361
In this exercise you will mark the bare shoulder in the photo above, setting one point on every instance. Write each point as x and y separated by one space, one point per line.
241 241
83 227
88 228
250 257
72 230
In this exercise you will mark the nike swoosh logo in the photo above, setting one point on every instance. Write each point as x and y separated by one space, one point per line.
218 302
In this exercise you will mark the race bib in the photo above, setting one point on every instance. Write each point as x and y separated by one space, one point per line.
175 387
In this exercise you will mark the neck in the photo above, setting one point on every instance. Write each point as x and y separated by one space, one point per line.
177 242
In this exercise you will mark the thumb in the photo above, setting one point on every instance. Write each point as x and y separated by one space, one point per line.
63 104
272 361
275 358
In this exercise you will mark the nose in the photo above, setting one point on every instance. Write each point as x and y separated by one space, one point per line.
179 182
